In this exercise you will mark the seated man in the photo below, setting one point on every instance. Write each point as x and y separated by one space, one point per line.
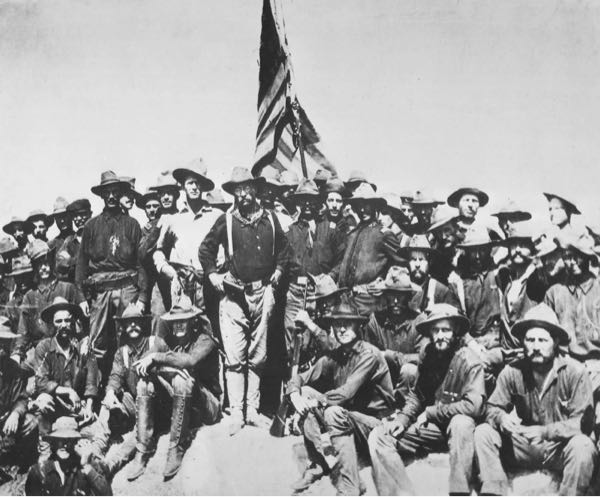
393 331
355 390
549 392
189 371
439 413
71 468
66 381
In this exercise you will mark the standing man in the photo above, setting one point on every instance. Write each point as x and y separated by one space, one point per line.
18 228
271 196
63 222
335 193
561 211
369 252
440 412
168 192
257 254
422 205
67 254
549 393
346 393
39 223
22 275
109 268
510 214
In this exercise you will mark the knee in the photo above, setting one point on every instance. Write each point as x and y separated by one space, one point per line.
485 435
461 426
379 438
182 386
408 374
336 417
145 387
581 449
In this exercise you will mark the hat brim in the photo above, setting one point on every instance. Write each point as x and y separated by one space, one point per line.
19 272
463 324
180 174
48 313
144 317
98 189
184 316
572 207
585 252
468 246
517 216
59 212
514 239
300 197
355 183
48 220
381 202
349 317
230 186
455 197
404 252
521 327
391 289
143 199
9 228
64 435
442 223
317 298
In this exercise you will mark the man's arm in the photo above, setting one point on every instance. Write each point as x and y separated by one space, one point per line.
92 377
203 347
43 381
97 479
23 340
209 249
499 403
117 373
391 246
142 278
366 367
282 247
319 375
82 266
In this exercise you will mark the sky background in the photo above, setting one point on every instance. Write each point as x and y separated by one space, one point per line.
418 93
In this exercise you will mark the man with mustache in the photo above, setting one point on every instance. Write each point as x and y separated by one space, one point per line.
271 194
168 192
468 201
440 412
346 393
549 393
109 268
335 193
369 251
39 223
423 205
18 228
80 211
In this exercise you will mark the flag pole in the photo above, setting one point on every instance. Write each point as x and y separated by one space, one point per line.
298 135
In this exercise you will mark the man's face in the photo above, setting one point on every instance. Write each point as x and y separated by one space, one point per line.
418 266
447 235
334 205
151 208
63 221
63 449
468 205
192 188
423 212
520 253
112 195
133 328
442 334
366 211
575 263
539 346
42 268
345 330
181 329
558 213
507 226
19 234
309 208
477 258
245 195
40 229
80 218
407 212
268 196
63 323
167 198
397 302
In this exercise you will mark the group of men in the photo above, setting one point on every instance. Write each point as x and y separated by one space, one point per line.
394 324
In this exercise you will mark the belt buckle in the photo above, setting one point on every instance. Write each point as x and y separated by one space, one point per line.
302 280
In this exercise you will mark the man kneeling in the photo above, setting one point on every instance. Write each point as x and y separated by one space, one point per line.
439 413
549 392
189 371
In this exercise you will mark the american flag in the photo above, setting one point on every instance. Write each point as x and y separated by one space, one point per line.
278 108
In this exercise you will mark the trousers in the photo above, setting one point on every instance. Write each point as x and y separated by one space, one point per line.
389 471
575 458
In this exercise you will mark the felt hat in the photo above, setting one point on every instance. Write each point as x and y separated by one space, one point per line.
60 206
454 197
39 215
241 175
322 176
366 193
325 287
417 243
442 215
356 178
422 198
21 265
130 313
307 189
109 178
65 428
407 196
522 232
272 176
477 238
394 202
8 245
217 199
181 311
545 247
511 210
540 316
335 185
345 310
60 304
146 197
37 249
583 244
570 206
131 181
9 228
398 280
437 312
165 181
289 178
197 169
81 204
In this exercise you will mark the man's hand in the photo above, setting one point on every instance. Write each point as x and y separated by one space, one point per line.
85 308
216 280
45 403
421 421
169 272
275 278
87 412
176 289
509 424
71 394
110 399
303 319
84 451
395 427
141 366
11 425
302 404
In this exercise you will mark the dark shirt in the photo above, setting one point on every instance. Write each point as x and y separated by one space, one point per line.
357 379
446 388
325 252
44 478
65 266
78 372
368 255
256 253
110 243
558 407
13 311
441 295
32 328
58 241
13 397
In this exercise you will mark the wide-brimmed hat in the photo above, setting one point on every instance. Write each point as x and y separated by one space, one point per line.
217 199
165 181
81 204
60 304
109 178
307 189
197 169
60 206
335 185
570 206
181 311
442 215
407 196
146 197
37 249
417 243
39 215
583 244
65 427
9 228
131 181
366 193
321 177
21 265
398 280
356 178
5 332
477 238
8 245
346 309
272 176
541 316
131 313
454 197
393 201
289 178
325 287
423 197
511 210
546 247
240 175
437 312
523 232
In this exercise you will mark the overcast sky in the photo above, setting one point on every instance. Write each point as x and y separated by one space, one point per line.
501 95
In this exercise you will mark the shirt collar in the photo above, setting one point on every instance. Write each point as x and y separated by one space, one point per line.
109 213
584 286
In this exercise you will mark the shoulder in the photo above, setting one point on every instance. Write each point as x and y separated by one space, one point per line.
573 367
44 345
369 352
468 356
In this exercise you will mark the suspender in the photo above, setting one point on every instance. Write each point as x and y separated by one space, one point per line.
151 340
229 223
431 292
460 287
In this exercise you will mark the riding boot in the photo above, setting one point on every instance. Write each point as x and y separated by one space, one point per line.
235 390
145 435
180 434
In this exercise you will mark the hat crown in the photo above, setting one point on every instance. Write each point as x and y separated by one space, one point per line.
398 278
165 180
542 312
59 301
183 307
442 311
198 165
423 197
80 204
131 312
65 423
322 175
7 244
241 175
419 242
443 214
108 177
477 237
365 191
307 187
289 178
335 185
324 285
345 308
60 205
21 263
215 197
271 173
38 249
357 175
